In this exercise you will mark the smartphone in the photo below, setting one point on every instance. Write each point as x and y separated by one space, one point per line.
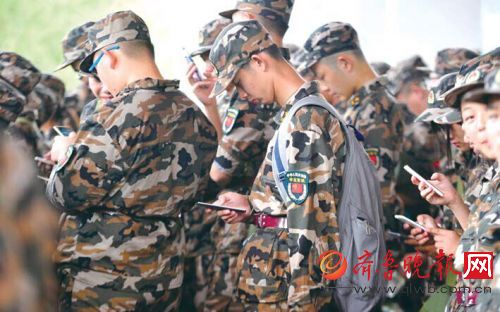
44 161
421 179
189 60
43 178
410 222
64 131
217 207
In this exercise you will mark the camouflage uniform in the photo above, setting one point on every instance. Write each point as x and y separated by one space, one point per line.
18 77
28 225
42 106
423 145
371 110
381 68
277 265
73 46
247 130
139 161
451 59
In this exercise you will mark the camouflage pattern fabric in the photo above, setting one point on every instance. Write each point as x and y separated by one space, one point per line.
327 40
316 148
278 11
450 60
407 71
481 235
73 46
377 116
18 77
436 105
423 149
209 33
139 161
28 233
114 28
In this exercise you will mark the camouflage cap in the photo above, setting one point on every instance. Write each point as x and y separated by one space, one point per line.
233 49
435 100
114 28
327 40
47 97
209 33
411 69
73 45
17 78
278 11
18 72
471 76
450 60
491 88
381 68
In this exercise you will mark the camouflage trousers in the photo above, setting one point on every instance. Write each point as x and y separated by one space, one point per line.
264 275
86 290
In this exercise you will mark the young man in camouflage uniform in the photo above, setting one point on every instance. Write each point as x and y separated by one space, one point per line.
335 56
247 126
125 178
28 225
423 146
278 263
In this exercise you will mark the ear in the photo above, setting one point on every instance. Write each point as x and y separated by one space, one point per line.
112 58
259 62
345 63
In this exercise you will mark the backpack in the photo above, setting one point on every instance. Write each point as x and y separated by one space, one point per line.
359 215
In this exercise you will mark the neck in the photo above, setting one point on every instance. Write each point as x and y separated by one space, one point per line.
286 83
141 70
364 75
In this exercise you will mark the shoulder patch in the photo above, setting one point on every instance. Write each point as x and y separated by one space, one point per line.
374 155
297 186
230 119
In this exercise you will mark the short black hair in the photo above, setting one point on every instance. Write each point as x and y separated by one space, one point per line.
137 48
272 26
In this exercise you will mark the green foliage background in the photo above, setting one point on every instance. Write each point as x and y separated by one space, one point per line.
35 29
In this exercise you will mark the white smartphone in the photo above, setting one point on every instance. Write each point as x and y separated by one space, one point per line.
410 222
421 179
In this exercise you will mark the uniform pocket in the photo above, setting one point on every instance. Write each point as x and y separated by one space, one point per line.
263 267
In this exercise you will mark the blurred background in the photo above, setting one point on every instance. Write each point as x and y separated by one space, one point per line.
389 30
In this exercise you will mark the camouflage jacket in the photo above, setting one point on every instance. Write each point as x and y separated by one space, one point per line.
482 235
248 128
423 149
28 235
375 113
315 153
141 159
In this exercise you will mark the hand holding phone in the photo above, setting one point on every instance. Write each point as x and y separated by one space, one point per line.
421 179
410 222
189 60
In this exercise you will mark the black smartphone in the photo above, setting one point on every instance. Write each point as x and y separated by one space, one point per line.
217 207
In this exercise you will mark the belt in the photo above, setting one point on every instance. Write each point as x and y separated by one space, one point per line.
262 220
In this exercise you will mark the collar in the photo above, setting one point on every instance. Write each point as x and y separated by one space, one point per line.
365 90
149 83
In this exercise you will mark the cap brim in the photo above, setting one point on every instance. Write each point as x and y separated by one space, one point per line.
430 114
201 50
451 96
228 14
480 96
223 82
64 65
452 117
87 62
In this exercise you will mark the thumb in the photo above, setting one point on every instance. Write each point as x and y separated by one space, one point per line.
435 231
437 176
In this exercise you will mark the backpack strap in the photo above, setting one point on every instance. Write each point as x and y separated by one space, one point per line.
279 162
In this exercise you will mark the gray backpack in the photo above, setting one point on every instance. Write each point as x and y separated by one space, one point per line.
360 215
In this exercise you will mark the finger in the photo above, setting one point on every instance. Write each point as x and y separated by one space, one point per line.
415 181
406 226
437 176
416 231
429 196
435 231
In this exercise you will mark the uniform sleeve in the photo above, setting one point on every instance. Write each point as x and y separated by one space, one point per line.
314 146
96 165
243 140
